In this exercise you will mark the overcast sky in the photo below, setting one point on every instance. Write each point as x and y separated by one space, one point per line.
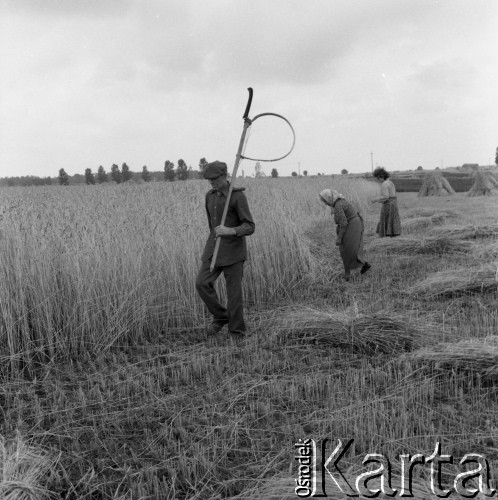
85 83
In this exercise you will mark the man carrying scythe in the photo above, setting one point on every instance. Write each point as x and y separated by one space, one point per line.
230 221
232 251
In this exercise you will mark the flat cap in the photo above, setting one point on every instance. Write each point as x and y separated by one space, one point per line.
215 169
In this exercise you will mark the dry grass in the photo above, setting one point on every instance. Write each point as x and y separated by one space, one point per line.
428 245
430 212
466 232
415 224
282 488
488 251
104 363
367 333
480 279
83 268
419 222
479 356
24 470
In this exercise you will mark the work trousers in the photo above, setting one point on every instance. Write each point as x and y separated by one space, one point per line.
233 314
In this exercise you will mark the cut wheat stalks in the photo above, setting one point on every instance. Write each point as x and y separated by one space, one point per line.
415 223
456 281
429 212
487 251
284 488
23 470
411 225
479 356
366 333
465 232
420 246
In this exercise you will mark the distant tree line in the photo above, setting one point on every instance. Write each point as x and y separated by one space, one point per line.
182 172
118 175
170 173
27 180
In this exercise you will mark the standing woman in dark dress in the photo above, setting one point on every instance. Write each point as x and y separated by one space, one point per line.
389 223
349 230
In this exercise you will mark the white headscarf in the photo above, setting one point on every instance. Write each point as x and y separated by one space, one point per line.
330 196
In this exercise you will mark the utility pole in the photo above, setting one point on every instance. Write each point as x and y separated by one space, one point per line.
372 160
299 168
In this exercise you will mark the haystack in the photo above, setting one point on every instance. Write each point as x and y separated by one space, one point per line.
457 281
484 183
366 333
479 356
434 245
436 185
469 232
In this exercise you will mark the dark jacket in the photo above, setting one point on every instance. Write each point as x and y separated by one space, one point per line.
343 213
232 248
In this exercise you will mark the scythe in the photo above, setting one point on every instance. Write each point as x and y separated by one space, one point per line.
247 123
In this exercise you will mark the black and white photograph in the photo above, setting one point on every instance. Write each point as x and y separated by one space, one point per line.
248 249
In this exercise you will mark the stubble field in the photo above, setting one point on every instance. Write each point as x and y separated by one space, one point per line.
110 389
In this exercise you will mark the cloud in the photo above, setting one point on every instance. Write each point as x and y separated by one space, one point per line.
266 42
442 86
68 8
102 82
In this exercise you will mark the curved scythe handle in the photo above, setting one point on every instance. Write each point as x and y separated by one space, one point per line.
247 124
248 106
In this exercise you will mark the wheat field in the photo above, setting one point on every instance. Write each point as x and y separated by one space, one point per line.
111 390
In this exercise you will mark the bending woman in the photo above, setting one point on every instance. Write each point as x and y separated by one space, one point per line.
349 230
389 223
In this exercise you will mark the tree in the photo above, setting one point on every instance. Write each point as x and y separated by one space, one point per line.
101 175
344 171
126 173
274 173
77 179
202 165
146 176
258 172
89 178
115 174
420 167
63 178
305 173
169 171
294 174
182 170
496 157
